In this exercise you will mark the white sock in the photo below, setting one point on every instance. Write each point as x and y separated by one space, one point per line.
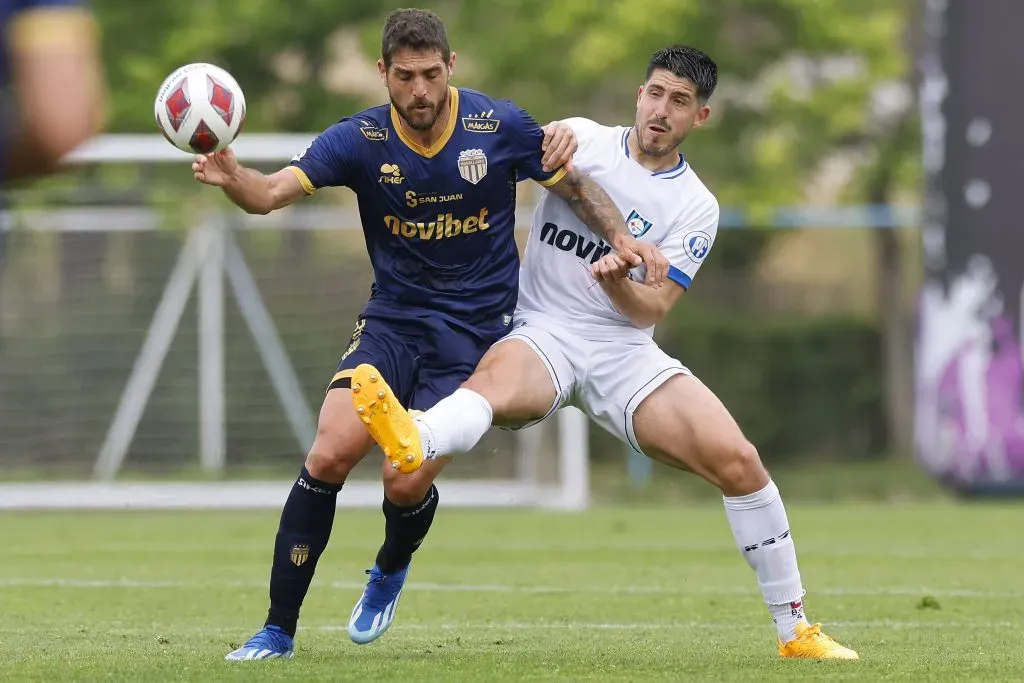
455 424
761 530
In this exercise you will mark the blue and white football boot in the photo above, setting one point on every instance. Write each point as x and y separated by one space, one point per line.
271 642
375 610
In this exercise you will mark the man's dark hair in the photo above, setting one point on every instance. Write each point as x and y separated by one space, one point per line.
413 29
689 63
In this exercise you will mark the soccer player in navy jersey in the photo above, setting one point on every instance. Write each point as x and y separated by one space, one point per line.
435 175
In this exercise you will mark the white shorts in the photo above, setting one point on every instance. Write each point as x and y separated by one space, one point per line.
607 380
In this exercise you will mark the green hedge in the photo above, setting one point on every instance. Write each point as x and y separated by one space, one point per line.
797 387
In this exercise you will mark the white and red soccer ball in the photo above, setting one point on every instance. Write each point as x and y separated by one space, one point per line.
200 108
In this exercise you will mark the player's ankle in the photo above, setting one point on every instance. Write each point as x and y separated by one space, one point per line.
428 442
283 619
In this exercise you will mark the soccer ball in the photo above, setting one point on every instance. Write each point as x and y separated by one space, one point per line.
200 108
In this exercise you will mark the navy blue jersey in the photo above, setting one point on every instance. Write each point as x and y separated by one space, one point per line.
439 222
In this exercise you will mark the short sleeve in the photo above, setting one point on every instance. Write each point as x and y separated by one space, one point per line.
689 242
527 137
330 160
586 133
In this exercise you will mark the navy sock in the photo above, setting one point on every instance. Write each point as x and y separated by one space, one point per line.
302 536
404 530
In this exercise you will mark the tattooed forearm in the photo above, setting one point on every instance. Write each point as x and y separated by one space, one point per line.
592 205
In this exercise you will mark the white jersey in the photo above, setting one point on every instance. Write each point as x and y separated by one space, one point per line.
671 209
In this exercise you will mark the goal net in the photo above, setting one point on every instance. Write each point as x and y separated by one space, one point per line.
175 353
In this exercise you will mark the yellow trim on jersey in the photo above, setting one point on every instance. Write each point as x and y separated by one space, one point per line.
559 174
72 28
307 186
341 374
428 152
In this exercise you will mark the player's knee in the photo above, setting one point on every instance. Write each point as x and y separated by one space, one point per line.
739 469
406 490
482 381
331 458
512 400
500 398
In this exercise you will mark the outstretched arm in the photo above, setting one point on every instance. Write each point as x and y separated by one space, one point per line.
327 162
250 190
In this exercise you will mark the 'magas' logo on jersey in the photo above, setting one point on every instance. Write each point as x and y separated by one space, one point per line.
481 123
446 225
374 134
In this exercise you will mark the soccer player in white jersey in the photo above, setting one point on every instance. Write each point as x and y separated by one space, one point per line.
582 336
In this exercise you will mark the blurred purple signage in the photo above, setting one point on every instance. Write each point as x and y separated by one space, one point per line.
969 365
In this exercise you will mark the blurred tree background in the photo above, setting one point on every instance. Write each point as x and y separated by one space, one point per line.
805 332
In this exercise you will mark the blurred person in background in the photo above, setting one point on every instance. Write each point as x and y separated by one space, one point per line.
53 97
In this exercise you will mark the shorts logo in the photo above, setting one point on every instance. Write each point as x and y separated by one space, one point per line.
353 342
374 134
637 224
472 165
698 243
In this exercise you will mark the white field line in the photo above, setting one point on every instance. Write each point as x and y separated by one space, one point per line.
526 626
81 583
686 625
483 549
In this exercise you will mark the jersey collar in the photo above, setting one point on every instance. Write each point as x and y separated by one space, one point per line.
669 173
428 152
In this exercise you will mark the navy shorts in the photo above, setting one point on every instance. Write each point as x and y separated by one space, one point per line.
422 359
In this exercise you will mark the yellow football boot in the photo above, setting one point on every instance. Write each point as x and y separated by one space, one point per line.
811 643
390 424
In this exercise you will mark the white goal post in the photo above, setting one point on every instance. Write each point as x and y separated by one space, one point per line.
212 267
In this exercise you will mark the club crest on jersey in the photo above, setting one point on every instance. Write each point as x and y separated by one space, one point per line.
637 224
698 243
472 165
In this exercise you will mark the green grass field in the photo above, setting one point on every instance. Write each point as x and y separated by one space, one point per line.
925 593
